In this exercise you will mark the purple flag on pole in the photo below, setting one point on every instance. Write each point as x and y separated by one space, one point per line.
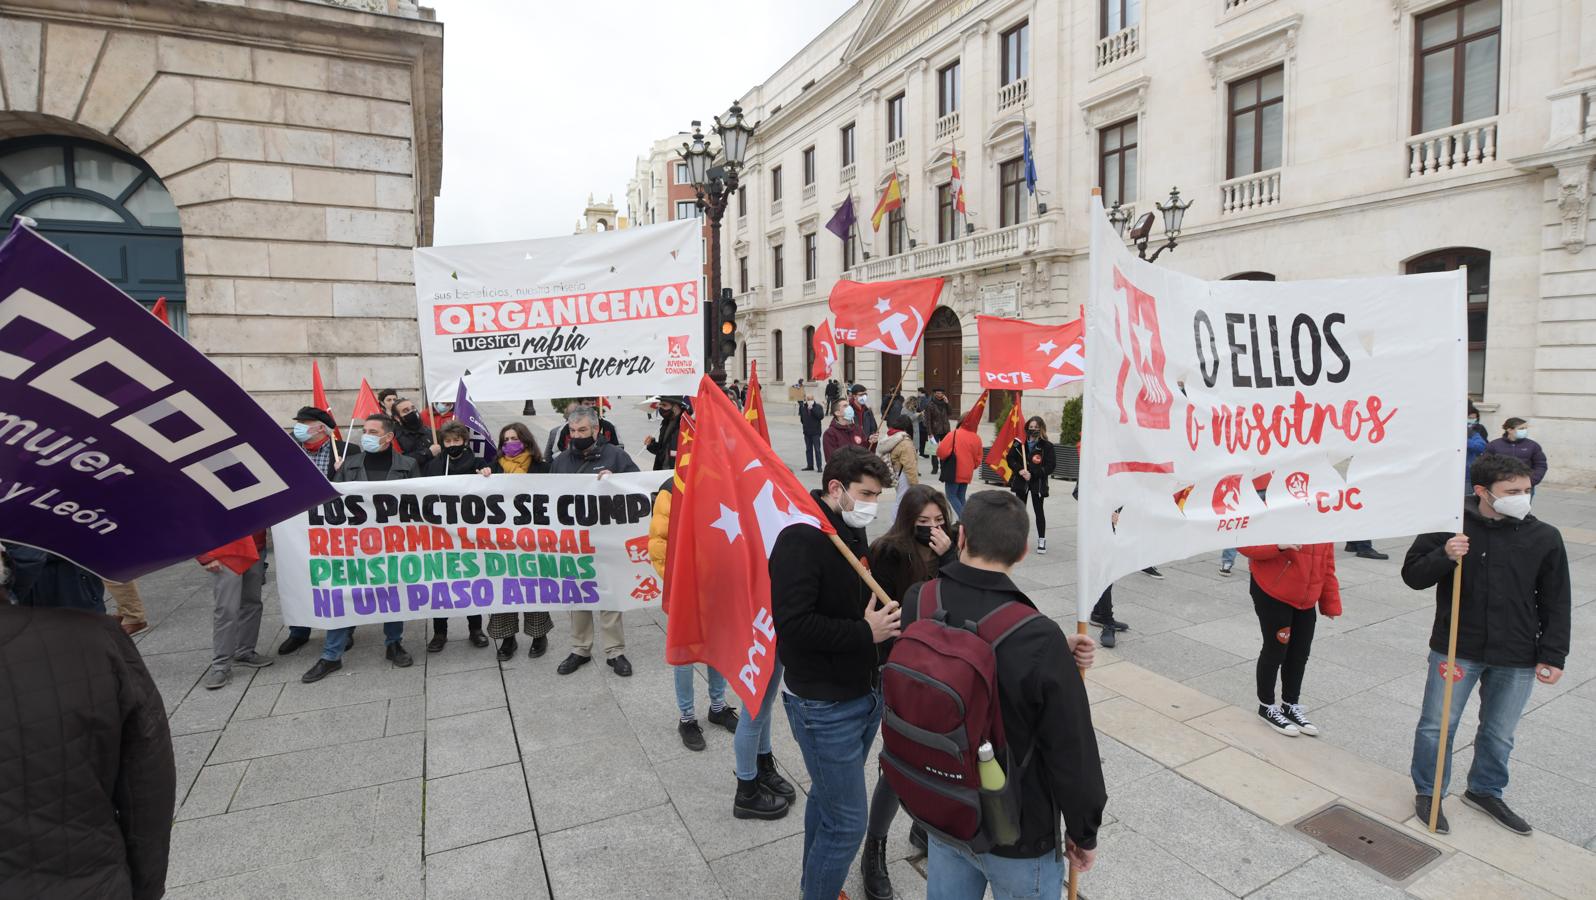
122 448
842 220
466 411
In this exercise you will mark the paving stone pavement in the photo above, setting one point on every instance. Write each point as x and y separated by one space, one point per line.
464 777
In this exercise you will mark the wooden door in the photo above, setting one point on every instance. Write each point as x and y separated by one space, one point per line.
942 357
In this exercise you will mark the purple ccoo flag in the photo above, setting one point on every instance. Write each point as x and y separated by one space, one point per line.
842 220
466 411
122 448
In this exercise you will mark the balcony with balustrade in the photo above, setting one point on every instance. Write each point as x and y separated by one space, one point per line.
980 250
1121 46
1250 193
897 150
846 174
1467 146
1013 95
948 126
809 192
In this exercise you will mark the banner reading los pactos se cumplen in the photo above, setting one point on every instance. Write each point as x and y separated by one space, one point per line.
612 313
467 545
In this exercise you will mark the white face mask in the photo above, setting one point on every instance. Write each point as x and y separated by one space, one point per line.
862 514
1514 506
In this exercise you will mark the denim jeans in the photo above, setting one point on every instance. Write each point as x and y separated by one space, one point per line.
685 676
953 874
1504 691
338 639
753 732
1227 556
956 494
835 737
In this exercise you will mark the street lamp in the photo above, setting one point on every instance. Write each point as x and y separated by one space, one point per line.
1174 212
714 186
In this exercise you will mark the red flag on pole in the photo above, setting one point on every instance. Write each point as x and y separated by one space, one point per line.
318 395
1013 430
972 419
735 497
825 346
159 311
1017 355
754 406
365 403
889 316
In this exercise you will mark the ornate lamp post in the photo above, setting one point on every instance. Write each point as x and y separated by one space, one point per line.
714 186
1174 212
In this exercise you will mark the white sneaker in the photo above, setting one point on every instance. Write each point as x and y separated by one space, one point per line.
1278 721
1041 546
1299 718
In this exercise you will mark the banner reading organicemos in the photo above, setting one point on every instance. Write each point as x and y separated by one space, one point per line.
619 312
465 545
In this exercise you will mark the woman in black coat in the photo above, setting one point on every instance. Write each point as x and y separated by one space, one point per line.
1032 461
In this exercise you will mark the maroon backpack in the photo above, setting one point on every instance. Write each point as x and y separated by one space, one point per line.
941 695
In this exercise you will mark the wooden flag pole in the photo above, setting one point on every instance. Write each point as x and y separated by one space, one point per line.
1446 698
864 573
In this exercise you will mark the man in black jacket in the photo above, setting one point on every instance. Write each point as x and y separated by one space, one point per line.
587 453
1046 715
813 417
670 432
1512 630
414 438
456 459
828 629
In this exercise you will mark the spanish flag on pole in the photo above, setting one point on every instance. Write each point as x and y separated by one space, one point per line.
891 199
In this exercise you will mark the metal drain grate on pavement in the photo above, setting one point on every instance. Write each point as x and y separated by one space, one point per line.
1378 846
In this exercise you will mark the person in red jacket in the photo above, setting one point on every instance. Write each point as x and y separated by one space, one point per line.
960 453
1288 582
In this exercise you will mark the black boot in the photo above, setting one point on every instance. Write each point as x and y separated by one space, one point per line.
772 780
754 801
507 648
873 869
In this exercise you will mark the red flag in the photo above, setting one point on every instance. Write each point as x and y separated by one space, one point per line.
318 396
1013 430
972 419
238 556
754 406
825 344
365 403
159 311
1018 355
735 497
889 316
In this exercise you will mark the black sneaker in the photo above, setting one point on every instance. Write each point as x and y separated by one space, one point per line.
1108 640
725 718
1498 810
754 801
692 735
1114 624
772 780
1278 721
1372 554
1226 568
398 655
507 649
320 670
1421 808
1152 572
1299 718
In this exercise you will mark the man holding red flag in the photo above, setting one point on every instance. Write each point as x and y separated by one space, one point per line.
238 573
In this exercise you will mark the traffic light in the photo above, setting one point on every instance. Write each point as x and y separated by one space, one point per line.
728 324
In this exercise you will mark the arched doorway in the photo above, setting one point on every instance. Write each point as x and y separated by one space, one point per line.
942 357
103 206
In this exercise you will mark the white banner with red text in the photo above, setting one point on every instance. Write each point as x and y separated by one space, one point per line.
1235 413
468 545
619 312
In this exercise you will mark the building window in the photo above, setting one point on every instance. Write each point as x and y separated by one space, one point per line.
847 144
809 350
1118 15
1257 117
742 201
777 277
849 372
1479 294
775 340
895 118
686 209
809 166
811 263
1016 53
775 184
742 274
1116 148
947 216
897 232
681 174
1456 63
1011 192
948 89
849 253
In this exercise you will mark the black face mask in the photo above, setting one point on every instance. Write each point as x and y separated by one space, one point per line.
1035 434
582 444
922 534
456 451
411 419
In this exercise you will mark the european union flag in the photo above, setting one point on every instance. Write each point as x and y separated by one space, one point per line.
1030 163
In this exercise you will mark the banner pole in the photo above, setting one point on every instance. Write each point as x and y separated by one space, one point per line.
864 573
1446 698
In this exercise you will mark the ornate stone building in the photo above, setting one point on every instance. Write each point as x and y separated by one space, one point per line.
1316 140
266 165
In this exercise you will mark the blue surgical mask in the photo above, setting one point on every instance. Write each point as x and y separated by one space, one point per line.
301 432
1473 422
371 443
1521 433
847 414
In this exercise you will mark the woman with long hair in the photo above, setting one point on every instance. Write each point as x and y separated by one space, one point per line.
921 541
1031 461
518 455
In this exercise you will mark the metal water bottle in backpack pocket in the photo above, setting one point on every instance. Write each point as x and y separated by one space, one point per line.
941 696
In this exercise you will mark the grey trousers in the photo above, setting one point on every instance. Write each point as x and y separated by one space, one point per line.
582 633
237 615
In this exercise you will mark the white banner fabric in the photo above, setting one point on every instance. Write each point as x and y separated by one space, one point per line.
619 312
1239 413
467 545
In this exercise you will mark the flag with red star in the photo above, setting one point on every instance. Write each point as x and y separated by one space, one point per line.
889 316
1022 356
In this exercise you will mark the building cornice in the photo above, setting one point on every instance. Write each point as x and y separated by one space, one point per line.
1264 46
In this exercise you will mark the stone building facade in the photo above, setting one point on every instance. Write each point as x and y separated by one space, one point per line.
267 165
1315 140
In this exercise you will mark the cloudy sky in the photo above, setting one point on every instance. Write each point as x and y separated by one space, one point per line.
541 108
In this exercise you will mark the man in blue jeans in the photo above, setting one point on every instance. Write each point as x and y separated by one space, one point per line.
1512 630
828 629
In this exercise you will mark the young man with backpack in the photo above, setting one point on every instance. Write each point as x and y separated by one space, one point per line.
1034 714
